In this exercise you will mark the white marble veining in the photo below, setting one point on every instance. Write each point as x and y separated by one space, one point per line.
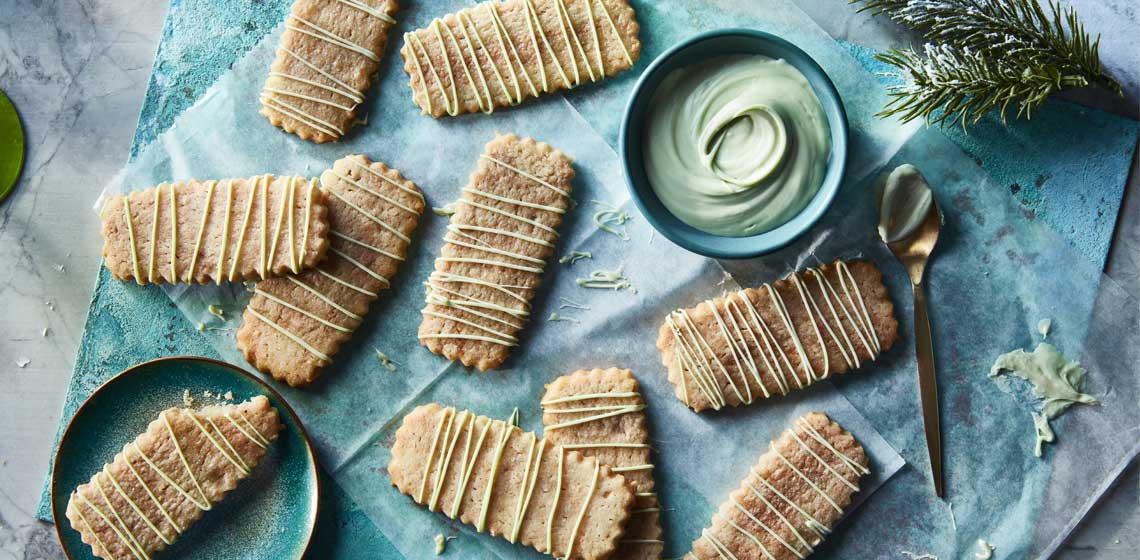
77 70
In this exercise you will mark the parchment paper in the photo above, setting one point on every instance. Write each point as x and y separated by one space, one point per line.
354 408
995 483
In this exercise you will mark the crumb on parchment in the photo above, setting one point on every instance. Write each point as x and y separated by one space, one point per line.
441 543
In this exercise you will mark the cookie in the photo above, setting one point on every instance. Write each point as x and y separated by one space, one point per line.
328 56
509 483
791 499
294 324
497 245
162 482
758 343
215 231
600 413
497 54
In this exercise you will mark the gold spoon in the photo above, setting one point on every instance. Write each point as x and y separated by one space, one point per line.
913 251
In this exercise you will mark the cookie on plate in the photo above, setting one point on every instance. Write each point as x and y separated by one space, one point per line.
489 474
497 54
497 245
600 413
214 231
762 342
791 499
162 482
329 53
294 324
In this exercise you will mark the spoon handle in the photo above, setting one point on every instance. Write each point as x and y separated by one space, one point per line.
927 385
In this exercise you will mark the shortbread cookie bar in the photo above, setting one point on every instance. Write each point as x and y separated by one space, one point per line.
160 484
496 54
497 245
215 231
791 499
296 323
756 343
489 474
326 61
600 413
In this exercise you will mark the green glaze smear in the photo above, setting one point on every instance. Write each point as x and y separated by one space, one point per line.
556 316
737 145
611 219
575 256
1042 431
1056 382
605 280
564 303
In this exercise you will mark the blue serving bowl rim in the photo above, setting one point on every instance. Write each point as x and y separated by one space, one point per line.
719 246
57 515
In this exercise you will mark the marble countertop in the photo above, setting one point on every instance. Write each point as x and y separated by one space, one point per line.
78 69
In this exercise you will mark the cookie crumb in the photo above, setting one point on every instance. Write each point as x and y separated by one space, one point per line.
985 550
385 360
441 544
447 209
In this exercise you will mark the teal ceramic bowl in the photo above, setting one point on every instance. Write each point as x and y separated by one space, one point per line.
697 49
271 515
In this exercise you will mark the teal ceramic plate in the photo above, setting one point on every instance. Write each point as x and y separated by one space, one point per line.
271 515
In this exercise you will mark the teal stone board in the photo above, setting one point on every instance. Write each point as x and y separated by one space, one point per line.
1067 165
125 327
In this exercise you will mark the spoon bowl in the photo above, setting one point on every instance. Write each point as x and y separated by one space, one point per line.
914 250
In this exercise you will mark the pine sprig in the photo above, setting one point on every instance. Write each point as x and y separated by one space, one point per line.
990 55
